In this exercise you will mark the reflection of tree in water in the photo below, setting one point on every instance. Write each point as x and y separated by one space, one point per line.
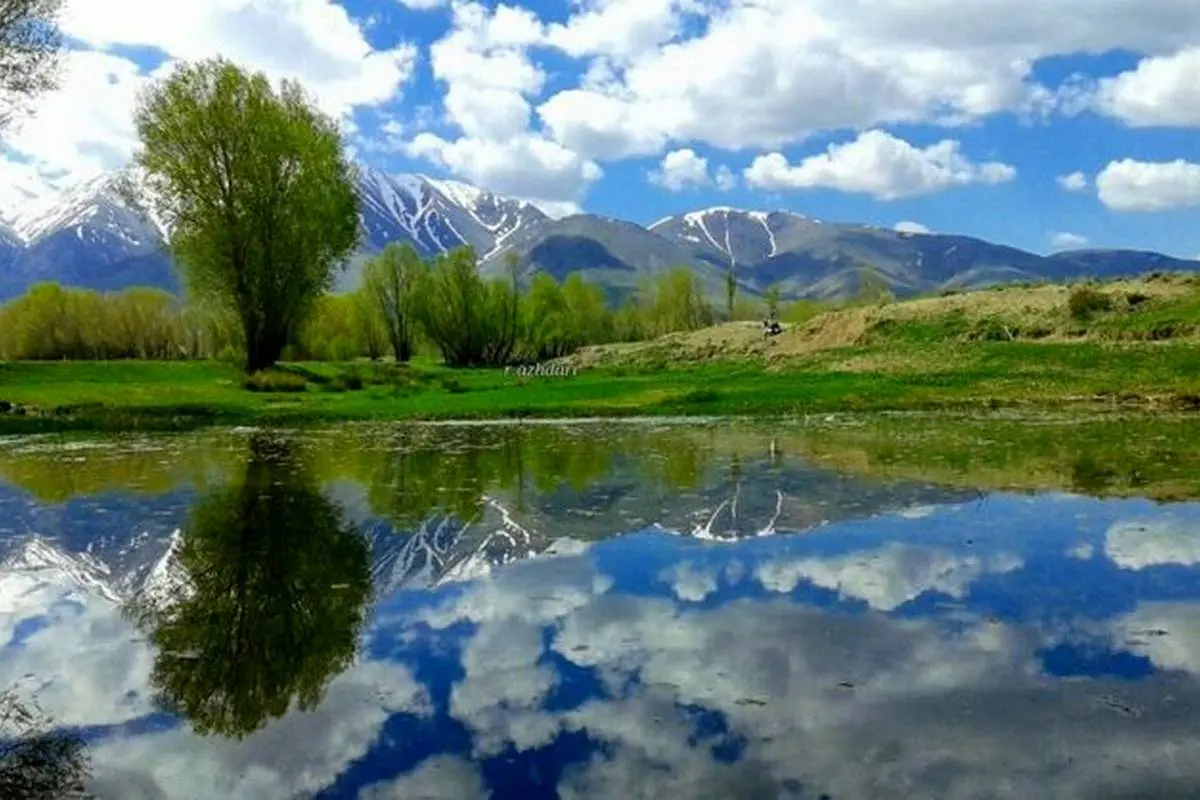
36 761
277 584
421 478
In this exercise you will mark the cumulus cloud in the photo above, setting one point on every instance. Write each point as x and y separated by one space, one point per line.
424 5
1131 185
526 166
887 578
85 126
440 777
738 84
314 41
1166 633
620 29
684 169
1064 240
690 582
489 77
84 664
295 755
879 164
87 666
1136 545
908 226
1074 182
1161 90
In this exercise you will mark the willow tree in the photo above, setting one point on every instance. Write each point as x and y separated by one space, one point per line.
393 281
273 602
30 51
258 191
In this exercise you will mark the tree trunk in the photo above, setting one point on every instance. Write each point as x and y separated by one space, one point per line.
263 348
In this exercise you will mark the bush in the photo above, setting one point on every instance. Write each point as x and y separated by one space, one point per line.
1135 299
1085 301
274 380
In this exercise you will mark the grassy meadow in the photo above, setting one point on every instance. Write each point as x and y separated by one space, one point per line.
1135 346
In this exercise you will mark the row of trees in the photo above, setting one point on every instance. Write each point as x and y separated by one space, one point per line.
405 306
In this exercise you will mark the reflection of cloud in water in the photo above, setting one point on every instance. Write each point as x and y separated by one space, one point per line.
1082 551
85 665
504 687
90 668
888 577
690 582
1166 633
436 778
295 755
535 591
858 706
1136 544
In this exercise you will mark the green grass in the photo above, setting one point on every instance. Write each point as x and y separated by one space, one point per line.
956 375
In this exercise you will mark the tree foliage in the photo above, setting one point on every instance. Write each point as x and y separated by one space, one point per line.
38 760
393 282
53 322
259 193
278 583
30 50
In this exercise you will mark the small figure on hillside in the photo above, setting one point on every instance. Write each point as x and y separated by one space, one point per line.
771 327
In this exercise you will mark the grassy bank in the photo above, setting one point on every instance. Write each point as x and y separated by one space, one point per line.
176 396
1138 347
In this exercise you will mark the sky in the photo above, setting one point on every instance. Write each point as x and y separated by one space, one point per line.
1043 124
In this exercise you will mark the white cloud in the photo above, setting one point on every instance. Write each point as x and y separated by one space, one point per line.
886 578
294 755
1063 240
85 126
525 166
861 64
682 169
690 582
1166 633
1074 182
1130 185
88 666
1162 90
621 29
489 77
424 5
879 164
725 179
314 41
81 129
440 777
1138 545
908 226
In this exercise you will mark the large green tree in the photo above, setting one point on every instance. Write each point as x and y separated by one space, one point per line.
30 50
258 190
274 599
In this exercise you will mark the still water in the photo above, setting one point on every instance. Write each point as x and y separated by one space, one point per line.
857 608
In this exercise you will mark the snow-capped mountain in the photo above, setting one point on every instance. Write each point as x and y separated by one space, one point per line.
436 216
103 235
724 236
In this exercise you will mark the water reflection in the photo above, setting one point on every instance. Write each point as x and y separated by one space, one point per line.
570 612
267 602
38 762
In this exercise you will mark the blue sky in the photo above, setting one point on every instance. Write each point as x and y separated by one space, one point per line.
957 117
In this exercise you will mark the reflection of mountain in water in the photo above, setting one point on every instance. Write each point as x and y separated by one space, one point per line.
126 545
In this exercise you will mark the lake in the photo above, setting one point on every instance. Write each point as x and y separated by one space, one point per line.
836 607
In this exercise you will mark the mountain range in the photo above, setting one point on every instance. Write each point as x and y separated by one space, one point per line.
102 235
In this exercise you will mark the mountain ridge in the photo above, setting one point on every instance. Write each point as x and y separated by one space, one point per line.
101 235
